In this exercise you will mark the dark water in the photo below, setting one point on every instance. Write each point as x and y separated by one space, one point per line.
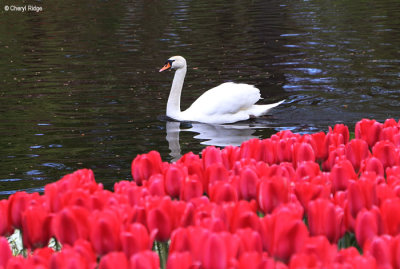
80 85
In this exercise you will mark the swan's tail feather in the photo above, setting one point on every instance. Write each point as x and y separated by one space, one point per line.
260 110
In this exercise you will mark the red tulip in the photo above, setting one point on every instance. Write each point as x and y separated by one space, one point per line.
267 151
357 151
145 260
5 251
335 154
272 192
311 189
373 164
250 241
367 226
156 185
70 224
324 218
245 219
307 170
105 232
211 155
248 184
258 260
173 179
216 172
143 166
341 173
284 149
136 239
230 155
180 260
251 149
215 253
334 139
283 233
18 203
390 216
223 192
36 226
114 260
379 248
321 146
368 130
302 152
160 218
343 130
192 188
5 222
385 151
67 258
362 194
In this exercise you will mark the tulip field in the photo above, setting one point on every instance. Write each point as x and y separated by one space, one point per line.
322 200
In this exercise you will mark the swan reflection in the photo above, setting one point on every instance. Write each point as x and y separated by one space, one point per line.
210 134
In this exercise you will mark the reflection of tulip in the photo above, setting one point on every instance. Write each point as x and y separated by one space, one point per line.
368 130
325 219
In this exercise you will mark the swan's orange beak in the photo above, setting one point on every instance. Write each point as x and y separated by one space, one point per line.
166 67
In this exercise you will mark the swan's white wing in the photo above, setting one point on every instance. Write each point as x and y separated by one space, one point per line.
227 98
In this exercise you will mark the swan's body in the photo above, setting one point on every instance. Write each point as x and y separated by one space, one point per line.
227 103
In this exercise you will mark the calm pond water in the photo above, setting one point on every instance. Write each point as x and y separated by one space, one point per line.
80 85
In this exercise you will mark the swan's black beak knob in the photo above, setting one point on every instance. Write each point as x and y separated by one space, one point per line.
167 66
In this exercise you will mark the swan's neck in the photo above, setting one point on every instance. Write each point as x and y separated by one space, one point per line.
174 99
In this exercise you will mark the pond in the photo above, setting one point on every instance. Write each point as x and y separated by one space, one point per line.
80 86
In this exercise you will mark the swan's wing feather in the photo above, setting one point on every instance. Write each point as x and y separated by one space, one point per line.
226 98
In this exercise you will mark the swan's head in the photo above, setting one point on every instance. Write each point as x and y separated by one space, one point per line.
175 62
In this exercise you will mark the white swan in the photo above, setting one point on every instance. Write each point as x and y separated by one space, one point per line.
227 103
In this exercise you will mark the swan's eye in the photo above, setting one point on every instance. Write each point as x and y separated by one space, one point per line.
167 65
